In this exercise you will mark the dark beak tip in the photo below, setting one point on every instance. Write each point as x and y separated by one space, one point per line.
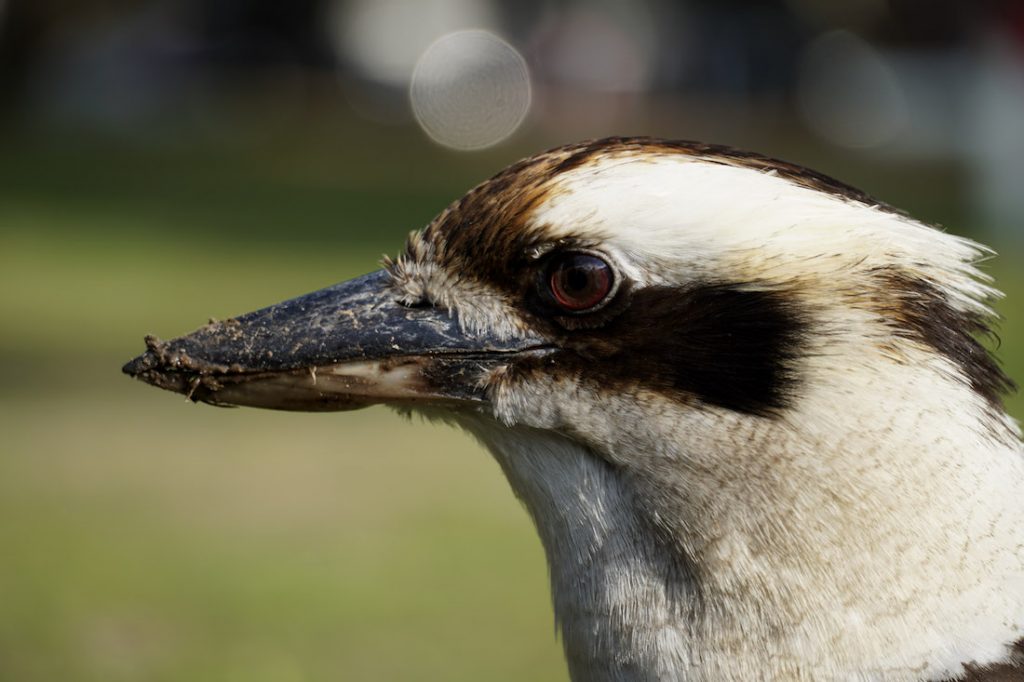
140 364
133 366
148 369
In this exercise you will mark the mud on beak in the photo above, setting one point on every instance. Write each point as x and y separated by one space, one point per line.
340 348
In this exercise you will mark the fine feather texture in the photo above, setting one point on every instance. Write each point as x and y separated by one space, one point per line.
779 453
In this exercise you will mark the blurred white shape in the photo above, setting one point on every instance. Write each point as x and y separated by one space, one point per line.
384 38
606 46
470 90
849 94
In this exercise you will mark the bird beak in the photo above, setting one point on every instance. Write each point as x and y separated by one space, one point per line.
344 347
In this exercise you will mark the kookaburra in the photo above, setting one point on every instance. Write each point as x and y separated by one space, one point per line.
743 403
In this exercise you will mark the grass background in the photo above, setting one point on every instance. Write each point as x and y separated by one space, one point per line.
143 538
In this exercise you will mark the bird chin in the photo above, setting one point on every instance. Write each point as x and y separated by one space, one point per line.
331 388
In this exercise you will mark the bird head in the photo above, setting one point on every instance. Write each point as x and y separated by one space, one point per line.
752 368
697 278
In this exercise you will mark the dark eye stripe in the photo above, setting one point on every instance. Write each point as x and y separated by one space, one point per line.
730 345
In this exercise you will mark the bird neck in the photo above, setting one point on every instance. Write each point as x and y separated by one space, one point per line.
816 559
614 584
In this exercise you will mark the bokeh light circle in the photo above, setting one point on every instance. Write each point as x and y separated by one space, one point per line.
470 90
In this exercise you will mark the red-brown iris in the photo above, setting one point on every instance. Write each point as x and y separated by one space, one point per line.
579 282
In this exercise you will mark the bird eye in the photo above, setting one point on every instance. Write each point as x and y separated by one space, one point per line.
579 282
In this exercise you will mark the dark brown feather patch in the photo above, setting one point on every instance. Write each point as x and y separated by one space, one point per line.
922 313
719 344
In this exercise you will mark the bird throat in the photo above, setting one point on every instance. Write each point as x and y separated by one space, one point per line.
634 604
614 584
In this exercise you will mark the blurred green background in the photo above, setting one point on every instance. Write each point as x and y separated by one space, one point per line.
144 538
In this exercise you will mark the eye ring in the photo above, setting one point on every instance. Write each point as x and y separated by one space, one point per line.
578 282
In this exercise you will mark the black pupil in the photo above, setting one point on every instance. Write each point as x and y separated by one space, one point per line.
579 281
577 278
